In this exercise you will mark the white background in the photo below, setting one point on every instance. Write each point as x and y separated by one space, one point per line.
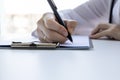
37 6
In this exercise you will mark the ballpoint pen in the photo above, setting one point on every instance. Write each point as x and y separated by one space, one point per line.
60 21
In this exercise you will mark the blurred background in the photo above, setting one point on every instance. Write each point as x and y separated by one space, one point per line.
18 17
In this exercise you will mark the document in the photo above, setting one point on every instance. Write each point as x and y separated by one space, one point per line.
79 42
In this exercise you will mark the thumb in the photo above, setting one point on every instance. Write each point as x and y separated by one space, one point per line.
71 25
100 34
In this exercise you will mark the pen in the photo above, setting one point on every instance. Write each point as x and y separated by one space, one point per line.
60 21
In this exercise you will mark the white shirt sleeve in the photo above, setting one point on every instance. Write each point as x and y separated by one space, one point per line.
88 15
116 13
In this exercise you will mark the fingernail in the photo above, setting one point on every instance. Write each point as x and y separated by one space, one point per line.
65 33
90 36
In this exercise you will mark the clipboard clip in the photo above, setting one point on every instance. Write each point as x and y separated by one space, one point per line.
35 44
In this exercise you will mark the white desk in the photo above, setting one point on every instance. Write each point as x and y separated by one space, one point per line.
100 63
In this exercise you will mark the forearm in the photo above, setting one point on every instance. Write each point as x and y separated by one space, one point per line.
88 15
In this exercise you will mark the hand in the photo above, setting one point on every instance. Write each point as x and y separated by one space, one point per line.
111 31
49 30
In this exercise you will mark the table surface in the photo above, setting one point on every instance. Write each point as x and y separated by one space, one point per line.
100 63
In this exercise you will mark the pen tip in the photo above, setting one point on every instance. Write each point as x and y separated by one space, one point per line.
71 39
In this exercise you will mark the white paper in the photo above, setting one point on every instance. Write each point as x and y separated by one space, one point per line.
77 41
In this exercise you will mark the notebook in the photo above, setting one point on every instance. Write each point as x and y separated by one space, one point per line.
79 42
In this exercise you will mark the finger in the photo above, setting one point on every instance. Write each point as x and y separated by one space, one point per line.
53 36
100 28
50 35
40 25
71 24
41 36
48 16
100 34
53 25
42 22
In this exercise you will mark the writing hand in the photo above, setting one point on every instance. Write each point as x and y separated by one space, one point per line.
49 30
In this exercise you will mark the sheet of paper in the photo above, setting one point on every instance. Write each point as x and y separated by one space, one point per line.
77 41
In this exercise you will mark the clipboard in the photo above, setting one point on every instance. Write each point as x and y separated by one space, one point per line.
79 43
